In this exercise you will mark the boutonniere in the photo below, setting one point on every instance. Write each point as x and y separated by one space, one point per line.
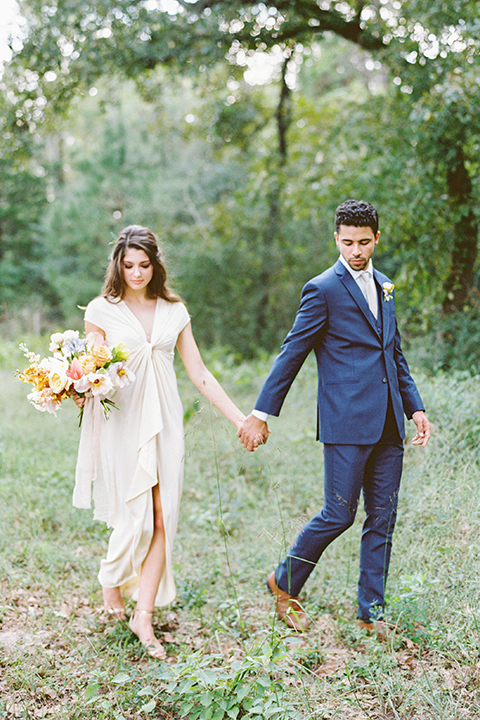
388 288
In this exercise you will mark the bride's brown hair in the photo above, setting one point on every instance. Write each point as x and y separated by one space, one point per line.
138 238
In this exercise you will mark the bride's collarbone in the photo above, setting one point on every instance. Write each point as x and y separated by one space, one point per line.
145 314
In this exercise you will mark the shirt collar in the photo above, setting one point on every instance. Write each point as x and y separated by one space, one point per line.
356 273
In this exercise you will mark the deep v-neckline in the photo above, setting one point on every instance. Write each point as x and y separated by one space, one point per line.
148 339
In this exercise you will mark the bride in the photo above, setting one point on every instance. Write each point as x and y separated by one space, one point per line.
134 459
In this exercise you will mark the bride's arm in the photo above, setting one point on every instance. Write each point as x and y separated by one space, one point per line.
98 332
203 379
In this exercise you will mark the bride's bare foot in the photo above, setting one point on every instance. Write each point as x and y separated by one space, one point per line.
113 603
140 624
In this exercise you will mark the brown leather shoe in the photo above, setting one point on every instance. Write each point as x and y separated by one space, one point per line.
377 626
289 608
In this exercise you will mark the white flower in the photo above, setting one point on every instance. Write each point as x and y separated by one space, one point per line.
120 375
56 340
82 385
33 358
101 384
47 364
388 289
59 382
70 335
57 377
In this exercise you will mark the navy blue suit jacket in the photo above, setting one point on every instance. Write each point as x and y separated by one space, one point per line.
358 361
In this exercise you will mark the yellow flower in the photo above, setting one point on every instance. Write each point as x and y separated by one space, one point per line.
102 354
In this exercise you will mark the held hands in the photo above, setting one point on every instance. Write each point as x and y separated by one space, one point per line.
253 432
423 428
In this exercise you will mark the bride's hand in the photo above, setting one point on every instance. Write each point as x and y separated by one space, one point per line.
79 401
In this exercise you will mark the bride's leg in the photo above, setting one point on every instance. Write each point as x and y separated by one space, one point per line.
113 602
152 569
154 563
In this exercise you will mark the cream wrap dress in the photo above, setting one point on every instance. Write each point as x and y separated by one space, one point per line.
121 458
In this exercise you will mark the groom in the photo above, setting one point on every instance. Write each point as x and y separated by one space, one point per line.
347 316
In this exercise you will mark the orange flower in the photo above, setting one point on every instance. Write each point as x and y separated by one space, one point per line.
102 354
41 380
35 376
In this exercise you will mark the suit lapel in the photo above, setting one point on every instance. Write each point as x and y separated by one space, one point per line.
356 293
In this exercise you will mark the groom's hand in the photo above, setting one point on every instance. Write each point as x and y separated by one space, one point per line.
423 428
253 432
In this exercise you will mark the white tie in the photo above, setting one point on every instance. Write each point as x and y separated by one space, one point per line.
370 292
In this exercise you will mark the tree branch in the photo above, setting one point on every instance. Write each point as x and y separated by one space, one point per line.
199 6
297 14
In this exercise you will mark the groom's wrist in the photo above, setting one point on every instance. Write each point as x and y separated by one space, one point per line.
260 415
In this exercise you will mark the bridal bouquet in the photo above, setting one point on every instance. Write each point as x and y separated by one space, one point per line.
77 365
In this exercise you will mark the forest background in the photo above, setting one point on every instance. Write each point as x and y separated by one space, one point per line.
233 130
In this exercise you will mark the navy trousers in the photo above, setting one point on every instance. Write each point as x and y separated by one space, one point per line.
375 469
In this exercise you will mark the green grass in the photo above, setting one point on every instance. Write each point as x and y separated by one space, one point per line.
228 657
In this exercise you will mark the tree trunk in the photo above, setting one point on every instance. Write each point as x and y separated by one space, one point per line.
465 237
271 232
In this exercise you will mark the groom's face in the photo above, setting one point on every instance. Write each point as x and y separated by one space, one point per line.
356 245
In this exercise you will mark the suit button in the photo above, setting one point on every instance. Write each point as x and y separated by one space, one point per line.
384 380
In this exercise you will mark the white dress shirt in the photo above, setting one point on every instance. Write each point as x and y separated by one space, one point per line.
362 277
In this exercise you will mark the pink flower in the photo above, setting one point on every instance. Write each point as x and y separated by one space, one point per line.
75 371
95 338
45 401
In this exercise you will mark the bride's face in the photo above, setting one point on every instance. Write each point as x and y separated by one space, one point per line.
137 269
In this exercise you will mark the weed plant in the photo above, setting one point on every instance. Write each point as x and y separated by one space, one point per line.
228 657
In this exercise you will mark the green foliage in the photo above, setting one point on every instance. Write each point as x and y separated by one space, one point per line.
127 174
201 687
193 152
62 658
22 203
452 344
410 609
10 354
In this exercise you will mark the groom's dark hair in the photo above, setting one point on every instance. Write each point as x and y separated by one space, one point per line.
356 213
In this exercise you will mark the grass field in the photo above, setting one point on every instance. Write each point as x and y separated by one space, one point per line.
227 655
